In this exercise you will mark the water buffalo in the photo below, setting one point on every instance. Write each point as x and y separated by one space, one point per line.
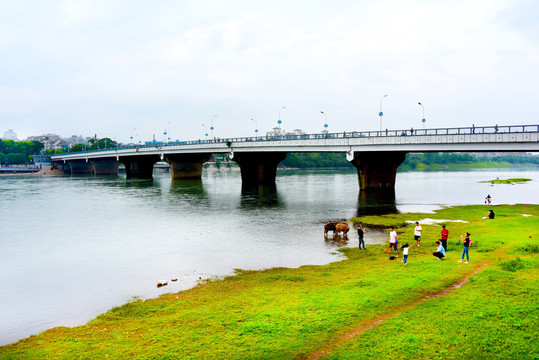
330 227
342 226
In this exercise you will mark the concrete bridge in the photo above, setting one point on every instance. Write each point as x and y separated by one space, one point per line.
375 154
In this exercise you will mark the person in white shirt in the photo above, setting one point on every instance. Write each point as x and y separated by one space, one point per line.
405 253
417 233
393 240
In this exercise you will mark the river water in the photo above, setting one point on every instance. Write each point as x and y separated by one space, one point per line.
73 247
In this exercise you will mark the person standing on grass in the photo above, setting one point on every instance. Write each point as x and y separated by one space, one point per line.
417 233
360 234
393 240
439 252
405 253
445 236
466 242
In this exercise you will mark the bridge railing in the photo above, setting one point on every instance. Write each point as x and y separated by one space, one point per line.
340 135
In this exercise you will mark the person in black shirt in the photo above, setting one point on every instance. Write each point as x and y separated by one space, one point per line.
360 234
466 242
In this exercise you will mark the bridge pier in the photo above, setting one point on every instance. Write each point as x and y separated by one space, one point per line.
187 166
61 166
140 166
377 170
80 167
258 167
105 166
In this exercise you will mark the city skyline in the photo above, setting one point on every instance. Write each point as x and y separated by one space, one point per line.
129 71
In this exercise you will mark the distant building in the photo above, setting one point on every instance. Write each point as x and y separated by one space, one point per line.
10 135
50 141
42 161
74 139
277 131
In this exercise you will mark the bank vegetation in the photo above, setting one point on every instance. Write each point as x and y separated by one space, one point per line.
363 306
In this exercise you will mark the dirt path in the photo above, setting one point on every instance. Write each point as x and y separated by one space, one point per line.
371 323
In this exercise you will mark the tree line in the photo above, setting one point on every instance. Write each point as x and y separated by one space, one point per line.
14 152
413 161
18 152
92 144
421 160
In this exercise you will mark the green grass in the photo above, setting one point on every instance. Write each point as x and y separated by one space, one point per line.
464 166
286 313
494 316
511 181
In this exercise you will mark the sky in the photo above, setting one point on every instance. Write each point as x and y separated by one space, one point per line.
132 70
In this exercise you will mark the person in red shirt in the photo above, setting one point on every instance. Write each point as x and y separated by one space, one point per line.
445 235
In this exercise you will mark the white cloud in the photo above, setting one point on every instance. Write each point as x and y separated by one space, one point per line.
189 60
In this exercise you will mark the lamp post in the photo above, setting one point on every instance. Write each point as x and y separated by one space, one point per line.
279 120
381 113
423 120
211 126
205 130
133 135
256 126
326 121
165 133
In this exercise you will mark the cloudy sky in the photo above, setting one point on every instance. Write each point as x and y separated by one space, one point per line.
122 68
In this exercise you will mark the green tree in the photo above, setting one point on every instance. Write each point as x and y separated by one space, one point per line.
316 160
16 158
104 143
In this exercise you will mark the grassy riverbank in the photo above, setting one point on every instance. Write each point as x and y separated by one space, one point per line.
468 166
328 311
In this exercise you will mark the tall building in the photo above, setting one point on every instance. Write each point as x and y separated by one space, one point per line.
10 135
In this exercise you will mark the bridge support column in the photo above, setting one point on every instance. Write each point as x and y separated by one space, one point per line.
377 170
139 166
187 166
105 166
80 167
258 167
61 166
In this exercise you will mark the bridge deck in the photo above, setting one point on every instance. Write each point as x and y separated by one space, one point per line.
503 138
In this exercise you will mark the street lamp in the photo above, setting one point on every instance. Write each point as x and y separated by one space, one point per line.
211 127
134 136
205 130
165 133
256 126
423 120
381 113
326 123
279 120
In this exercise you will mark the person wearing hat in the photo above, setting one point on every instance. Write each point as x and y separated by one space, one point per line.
439 252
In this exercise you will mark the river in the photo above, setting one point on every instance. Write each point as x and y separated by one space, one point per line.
73 247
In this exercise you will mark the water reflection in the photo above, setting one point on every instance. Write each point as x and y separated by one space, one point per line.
333 241
260 196
191 187
136 183
376 203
